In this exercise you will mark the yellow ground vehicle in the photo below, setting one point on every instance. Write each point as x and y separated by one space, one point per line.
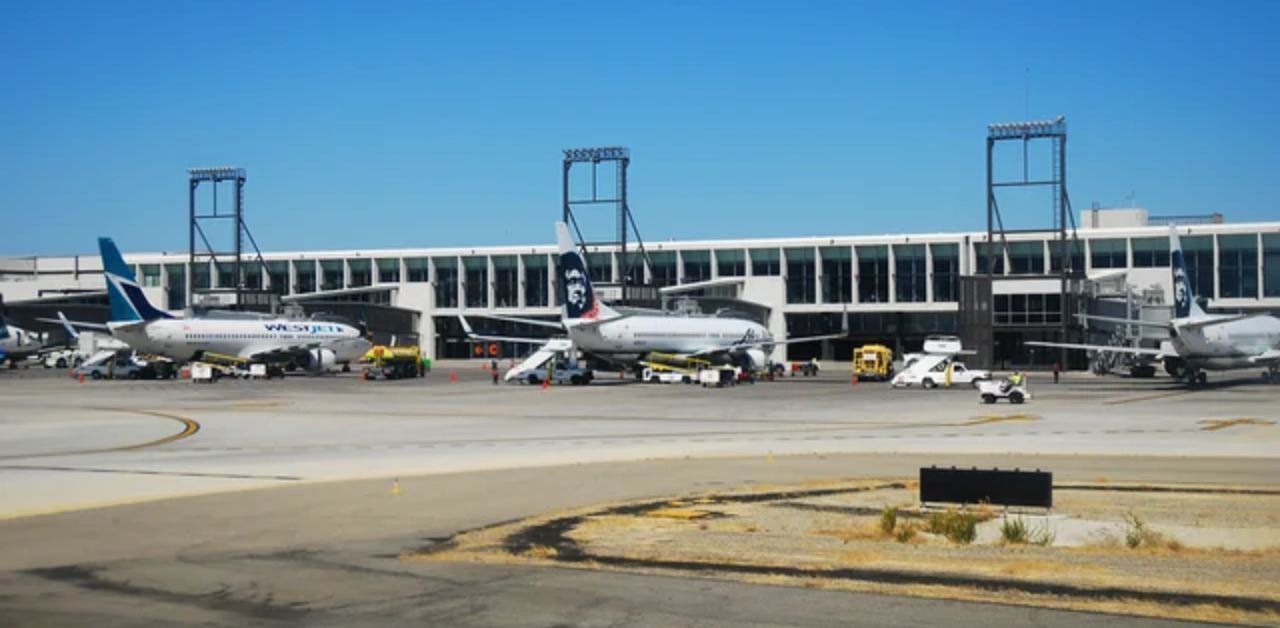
873 362
392 362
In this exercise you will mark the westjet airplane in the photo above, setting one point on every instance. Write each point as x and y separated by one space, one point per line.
597 329
1200 341
313 345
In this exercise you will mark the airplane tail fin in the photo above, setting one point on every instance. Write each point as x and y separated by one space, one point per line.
1184 298
128 303
4 327
579 298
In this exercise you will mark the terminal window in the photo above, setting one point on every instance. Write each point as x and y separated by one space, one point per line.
697 265
1150 252
278 272
418 269
912 275
361 272
1026 258
1238 266
506 281
1108 253
331 274
446 285
1271 264
731 263
946 269
873 274
476 281
664 268
535 280
801 276
1075 256
766 262
388 270
837 274
304 276
982 250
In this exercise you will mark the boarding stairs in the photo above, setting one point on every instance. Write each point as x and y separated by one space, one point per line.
538 359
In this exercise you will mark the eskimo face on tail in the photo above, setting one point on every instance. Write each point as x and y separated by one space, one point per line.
575 284
1181 287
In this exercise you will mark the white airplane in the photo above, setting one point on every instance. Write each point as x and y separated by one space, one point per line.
17 344
1199 341
313 345
597 329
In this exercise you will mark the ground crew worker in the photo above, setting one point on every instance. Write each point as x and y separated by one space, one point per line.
1056 371
493 366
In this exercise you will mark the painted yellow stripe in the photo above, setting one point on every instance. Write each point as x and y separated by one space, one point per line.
1162 395
189 428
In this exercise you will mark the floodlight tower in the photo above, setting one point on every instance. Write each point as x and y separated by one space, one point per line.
1036 131
215 176
626 224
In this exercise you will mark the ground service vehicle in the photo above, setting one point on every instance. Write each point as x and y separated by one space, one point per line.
873 362
562 373
392 362
932 371
992 392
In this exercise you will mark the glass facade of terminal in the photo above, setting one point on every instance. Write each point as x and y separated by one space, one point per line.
1237 265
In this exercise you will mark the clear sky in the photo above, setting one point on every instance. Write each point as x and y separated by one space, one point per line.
419 124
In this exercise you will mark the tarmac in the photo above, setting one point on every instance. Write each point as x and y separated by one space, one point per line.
360 472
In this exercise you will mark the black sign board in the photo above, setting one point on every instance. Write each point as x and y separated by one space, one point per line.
991 486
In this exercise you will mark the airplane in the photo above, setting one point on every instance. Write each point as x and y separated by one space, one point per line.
17 344
314 345
1200 341
599 330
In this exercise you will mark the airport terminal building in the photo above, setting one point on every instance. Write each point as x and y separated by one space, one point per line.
894 289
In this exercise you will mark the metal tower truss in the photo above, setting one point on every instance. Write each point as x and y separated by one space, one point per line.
196 228
1034 134
625 223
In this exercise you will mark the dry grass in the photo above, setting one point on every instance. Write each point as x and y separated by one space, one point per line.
865 531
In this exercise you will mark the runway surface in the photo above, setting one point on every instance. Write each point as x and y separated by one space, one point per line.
321 549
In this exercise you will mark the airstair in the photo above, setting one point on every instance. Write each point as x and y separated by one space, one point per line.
538 359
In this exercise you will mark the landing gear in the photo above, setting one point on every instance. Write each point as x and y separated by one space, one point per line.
1196 377
1271 375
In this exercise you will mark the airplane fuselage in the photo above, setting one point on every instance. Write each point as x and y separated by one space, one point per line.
1229 345
185 339
667 334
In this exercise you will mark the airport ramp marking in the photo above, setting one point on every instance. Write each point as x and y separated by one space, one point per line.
984 419
189 428
1162 395
185 474
1213 425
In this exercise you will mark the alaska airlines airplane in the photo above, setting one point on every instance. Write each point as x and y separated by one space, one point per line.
597 329
316 346
1200 341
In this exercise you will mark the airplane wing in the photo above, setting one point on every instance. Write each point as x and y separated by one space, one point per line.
62 320
1105 348
466 327
757 343
526 321
1122 321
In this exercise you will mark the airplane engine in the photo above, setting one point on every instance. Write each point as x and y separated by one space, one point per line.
319 360
759 361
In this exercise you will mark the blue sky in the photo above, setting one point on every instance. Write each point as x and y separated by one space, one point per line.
422 124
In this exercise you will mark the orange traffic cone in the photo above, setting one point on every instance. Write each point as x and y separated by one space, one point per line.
853 381
546 383
81 380
453 376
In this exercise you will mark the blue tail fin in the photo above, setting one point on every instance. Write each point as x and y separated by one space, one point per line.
1184 299
128 303
579 298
